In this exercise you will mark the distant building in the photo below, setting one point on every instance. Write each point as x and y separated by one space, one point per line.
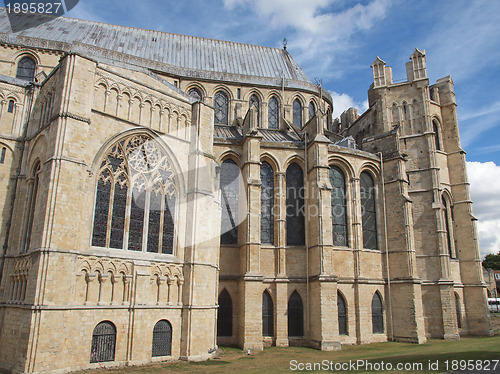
164 194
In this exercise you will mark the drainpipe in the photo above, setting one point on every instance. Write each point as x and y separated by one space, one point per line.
386 246
28 106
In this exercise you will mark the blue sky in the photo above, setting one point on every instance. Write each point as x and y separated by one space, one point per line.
336 41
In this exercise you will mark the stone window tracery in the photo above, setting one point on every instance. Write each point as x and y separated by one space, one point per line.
295 223
195 93
221 108
229 186
135 199
297 113
273 114
26 69
368 211
312 109
339 206
267 204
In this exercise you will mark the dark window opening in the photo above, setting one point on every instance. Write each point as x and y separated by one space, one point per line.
103 343
266 204
342 314
368 211
225 315
26 69
162 339
267 315
295 221
377 314
339 206
229 186
295 315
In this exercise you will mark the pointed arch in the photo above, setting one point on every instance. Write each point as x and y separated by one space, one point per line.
273 113
229 187
297 112
339 206
368 211
295 315
255 101
225 314
377 314
267 314
295 217
26 68
31 204
458 310
448 223
342 314
221 108
437 134
267 204
312 109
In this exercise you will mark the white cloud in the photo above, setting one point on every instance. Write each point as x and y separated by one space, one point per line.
484 178
342 102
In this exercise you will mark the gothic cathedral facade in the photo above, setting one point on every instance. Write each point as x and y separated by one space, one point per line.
165 194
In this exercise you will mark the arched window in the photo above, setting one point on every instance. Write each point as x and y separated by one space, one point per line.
195 93
273 113
342 314
266 204
312 109
162 339
435 128
297 113
295 224
26 69
395 114
295 315
339 206
225 315
221 108
458 311
135 181
2 155
448 221
103 342
329 119
31 206
229 187
368 211
254 100
377 314
405 111
10 108
267 315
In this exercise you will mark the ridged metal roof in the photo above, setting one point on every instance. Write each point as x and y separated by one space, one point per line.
274 136
186 52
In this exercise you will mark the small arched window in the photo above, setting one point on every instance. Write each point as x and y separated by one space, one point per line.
295 223
31 206
266 204
339 206
229 187
2 155
225 315
448 227
312 109
295 315
342 314
221 108
405 111
103 342
395 114
162 339
368 211
10 107
377 314
254 100
458 311
195 93
26 69
135 183
435 128
297 113
273 114
267 314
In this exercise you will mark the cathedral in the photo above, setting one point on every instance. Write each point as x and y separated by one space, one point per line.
163 195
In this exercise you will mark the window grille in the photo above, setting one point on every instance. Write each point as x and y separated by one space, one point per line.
273 114
295 224
195 93
254 100
229 186
368 210
266 204
267 315
297 113
162 339
377 314
26 69
103 343
295 315
312 110
342 314
339 206
225 315
124 185
221 108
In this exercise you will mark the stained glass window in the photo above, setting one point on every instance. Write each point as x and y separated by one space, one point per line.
267 315
221 108
195 93
295 315
225 315
229 186
162 339
342 314
297 113
26 69
377 314
124 207
312 109
254 100
273 113
267 204
368 211
339 206
295 224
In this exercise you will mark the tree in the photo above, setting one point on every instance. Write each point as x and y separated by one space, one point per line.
492 261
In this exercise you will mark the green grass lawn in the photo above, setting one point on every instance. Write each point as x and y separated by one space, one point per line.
277 360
